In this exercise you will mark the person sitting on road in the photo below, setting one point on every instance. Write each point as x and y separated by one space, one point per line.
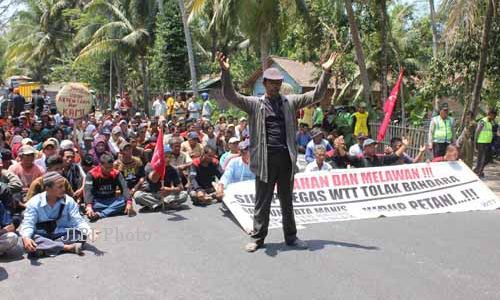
52 222
8 236
357 149
192 146
204 171
396 143
26 170
317 139
232 153
237 170
303 138
73 172
54 164
100 191
131 167
452 154
155 194
319 163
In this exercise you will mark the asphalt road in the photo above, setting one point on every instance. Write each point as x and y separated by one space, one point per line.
197 253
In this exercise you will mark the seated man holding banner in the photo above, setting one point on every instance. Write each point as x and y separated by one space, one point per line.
237 170
370 158
319 163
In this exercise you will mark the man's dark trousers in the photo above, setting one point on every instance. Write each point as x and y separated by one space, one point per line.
280 173
483 152
439 149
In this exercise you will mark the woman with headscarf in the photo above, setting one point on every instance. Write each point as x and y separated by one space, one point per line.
100 147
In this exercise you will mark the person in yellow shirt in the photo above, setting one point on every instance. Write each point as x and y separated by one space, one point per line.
170 105
308 116
360 121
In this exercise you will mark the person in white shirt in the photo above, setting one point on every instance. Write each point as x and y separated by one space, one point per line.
357 149
118 101
159 107
194 110
319 163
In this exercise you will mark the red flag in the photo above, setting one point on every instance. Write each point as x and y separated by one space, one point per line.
158 160
390 102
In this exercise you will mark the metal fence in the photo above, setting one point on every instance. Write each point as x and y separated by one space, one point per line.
416 135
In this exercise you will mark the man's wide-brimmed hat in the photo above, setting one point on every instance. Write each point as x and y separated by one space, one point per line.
273 74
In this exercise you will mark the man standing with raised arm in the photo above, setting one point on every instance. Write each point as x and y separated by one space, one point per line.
273 125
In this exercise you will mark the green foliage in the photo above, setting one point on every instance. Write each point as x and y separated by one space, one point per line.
169 67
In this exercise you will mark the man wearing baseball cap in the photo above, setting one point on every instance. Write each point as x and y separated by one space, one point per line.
26 170
317 139
234 151
272 127
237 170
441 131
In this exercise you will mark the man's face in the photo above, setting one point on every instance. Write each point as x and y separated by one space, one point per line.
361 109
49 151
320 157
233 147
37 127
317 139
100 147
27 160
272 87
57 190
207 157
397 145
6 163
68 158
107 168
451 154
127 152
176 148
491 116
193 142
443 113
245 156
369 150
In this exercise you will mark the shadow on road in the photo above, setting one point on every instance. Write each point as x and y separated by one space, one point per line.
3 274
14 254
272 249
174 213
93 249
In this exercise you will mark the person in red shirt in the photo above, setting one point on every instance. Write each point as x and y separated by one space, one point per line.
26 170
451 154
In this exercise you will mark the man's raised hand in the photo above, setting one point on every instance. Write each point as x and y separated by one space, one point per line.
327 66
223 61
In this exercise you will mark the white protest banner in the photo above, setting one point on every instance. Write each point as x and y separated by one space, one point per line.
74 100
350 194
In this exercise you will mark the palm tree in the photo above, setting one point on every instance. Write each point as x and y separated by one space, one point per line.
358 47
39 36
467 14
189 46
119 28
256 19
